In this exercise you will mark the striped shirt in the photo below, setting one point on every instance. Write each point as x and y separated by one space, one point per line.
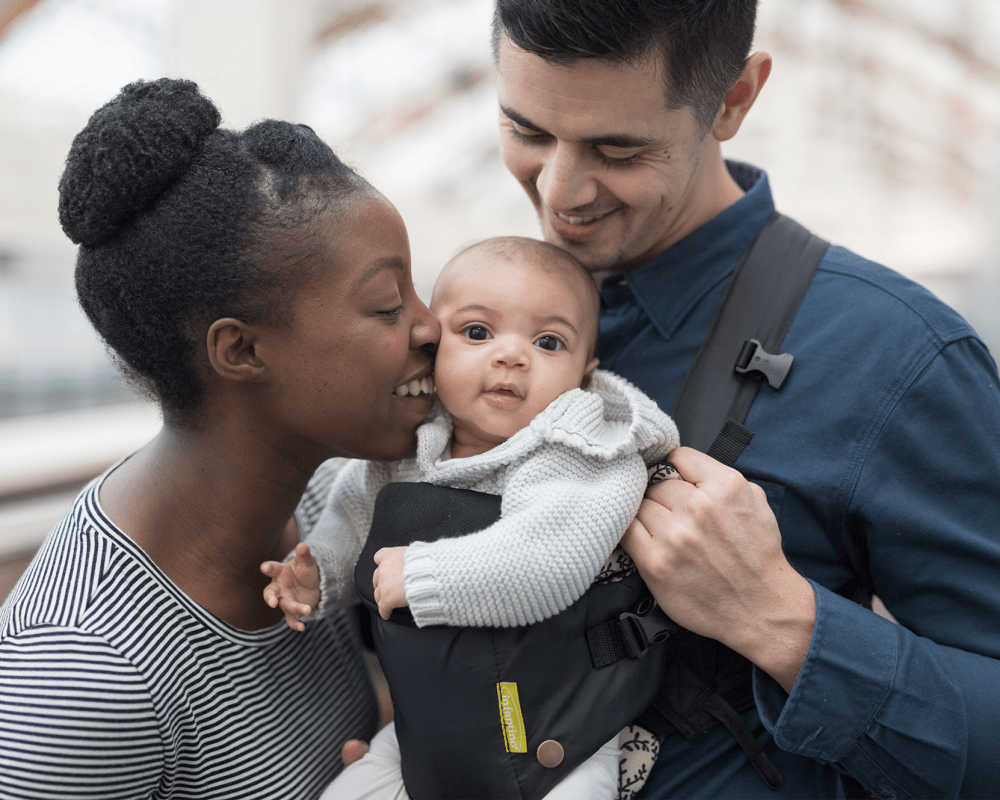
115 684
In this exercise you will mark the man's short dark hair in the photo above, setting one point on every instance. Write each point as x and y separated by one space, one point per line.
704 43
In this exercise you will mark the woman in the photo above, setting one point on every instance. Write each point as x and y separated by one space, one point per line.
260 291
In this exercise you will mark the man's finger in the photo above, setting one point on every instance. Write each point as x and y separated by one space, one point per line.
694 466
636 537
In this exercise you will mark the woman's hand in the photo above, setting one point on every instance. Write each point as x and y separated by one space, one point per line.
294 586
709 549
388 580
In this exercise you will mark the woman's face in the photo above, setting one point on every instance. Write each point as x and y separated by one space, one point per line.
358 332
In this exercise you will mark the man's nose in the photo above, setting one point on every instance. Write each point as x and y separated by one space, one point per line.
564 181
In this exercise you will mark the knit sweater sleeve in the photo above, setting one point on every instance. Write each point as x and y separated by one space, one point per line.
340 532
563 513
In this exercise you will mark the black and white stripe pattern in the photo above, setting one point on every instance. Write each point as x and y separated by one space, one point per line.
114 684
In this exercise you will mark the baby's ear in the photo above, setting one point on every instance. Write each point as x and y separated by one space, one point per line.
591 366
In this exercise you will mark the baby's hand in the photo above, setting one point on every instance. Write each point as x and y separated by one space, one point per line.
388 580
294 585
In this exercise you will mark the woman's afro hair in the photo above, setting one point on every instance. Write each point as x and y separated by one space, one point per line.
181 222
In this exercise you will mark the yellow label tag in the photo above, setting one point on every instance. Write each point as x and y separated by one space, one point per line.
514 738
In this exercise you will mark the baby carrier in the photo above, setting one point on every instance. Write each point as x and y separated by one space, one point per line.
516 709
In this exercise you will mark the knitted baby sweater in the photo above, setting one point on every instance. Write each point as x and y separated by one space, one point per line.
571 482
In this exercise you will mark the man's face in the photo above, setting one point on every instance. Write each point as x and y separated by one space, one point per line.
616 177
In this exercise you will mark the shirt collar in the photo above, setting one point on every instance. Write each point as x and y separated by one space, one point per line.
669 285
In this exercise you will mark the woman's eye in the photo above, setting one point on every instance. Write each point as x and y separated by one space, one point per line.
477 333
549 343
392 312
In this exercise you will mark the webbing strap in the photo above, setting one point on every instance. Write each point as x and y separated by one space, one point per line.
629 635
759 302
730 442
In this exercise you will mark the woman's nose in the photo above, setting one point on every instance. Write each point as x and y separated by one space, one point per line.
425 332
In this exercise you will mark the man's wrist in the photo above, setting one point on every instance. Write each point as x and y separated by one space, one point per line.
778 641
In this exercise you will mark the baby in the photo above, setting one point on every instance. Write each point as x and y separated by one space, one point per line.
522 414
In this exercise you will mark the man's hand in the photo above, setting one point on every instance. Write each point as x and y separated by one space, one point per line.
388 580
294 586
710 551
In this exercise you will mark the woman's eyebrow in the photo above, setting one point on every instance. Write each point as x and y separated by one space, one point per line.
625 141
376 267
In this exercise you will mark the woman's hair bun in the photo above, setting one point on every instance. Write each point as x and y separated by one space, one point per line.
132 149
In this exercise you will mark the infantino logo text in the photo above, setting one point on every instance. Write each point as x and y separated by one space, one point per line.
511 720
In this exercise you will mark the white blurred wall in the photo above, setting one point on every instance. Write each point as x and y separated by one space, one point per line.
879 127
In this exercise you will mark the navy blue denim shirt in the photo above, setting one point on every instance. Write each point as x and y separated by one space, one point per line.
880 457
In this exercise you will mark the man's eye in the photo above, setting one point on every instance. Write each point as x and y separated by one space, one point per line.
617 163
549 343
526 136
477 333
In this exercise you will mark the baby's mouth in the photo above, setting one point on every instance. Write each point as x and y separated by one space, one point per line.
504 390
423 385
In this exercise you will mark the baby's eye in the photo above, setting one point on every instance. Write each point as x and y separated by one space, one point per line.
548 343
477 333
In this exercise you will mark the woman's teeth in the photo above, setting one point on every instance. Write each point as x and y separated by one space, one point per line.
423 386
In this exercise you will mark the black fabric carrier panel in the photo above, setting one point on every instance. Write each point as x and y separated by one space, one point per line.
444 679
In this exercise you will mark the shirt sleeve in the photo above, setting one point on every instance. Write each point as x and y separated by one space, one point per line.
341 530
913 710
562 515
76 719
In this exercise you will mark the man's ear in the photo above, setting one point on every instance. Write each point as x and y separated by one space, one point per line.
742 96
591 366
231 350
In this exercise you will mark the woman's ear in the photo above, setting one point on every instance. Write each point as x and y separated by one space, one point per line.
231 350
741 96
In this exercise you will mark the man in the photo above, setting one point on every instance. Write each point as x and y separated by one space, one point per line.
876 466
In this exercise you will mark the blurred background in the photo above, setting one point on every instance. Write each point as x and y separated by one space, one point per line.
879 127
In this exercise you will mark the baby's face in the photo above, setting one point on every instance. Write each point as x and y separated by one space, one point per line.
513 338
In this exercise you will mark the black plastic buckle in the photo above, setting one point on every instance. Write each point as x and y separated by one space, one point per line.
649 625
754 358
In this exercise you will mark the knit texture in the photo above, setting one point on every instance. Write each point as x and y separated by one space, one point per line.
571 483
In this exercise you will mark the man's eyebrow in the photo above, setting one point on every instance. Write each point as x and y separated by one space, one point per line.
622 140
376 267
513 116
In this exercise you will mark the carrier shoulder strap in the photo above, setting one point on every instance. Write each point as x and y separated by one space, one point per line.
741 348
705 683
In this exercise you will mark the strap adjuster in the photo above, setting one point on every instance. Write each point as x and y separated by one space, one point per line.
754 358
630 634
642 628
